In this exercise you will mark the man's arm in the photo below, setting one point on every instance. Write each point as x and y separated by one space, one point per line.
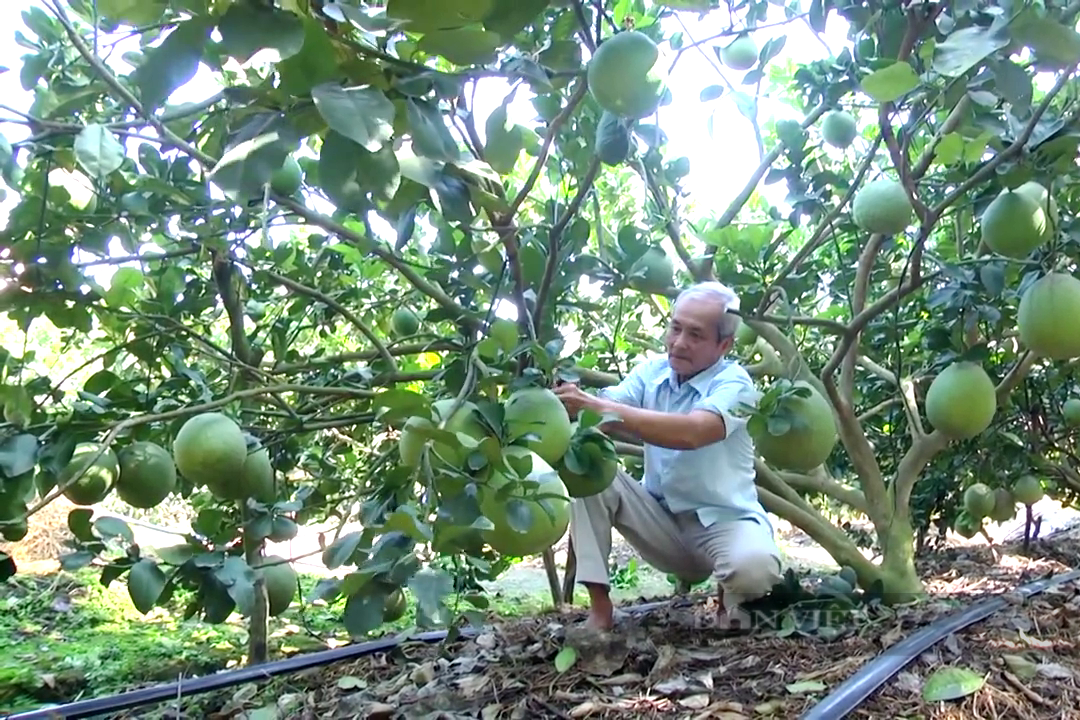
710 421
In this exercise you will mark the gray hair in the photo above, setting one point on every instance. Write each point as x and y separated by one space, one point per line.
729 322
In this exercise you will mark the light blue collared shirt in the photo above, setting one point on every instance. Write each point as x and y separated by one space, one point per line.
716 481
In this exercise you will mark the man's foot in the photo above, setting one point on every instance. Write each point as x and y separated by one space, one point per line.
601 609
600 621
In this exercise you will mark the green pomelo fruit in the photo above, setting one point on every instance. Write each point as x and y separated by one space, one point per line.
979 500
287 179
1070 412
465 420
741 54
590 464
505 333
147 475
961 401
280 580
967 526
210 450
837 584
1004 506
522 508
1013 225
99 478
394 606
848 575
810 439
839 129
653 272
1028 490
612 143
540 412
257 477
626 75
411 442
1041 196
404 322
745 335
1041 318
882 207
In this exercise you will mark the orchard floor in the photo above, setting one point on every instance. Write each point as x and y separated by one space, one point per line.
667 663
674 662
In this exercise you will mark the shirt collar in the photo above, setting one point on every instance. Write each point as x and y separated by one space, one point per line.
699 382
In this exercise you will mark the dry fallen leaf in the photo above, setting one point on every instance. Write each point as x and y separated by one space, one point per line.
1054 671
695 702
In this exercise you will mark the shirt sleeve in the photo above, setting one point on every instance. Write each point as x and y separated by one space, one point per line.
725 398
631 391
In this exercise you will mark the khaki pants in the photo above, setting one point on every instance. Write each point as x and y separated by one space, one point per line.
741 555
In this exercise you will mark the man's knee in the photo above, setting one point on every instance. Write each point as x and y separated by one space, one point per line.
753 574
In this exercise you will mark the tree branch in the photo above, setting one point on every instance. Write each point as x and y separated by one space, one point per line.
349 315
822 232
555 239
759 172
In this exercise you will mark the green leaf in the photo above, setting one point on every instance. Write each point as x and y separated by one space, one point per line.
175 554
1053 43
145 585
504 141
967 47
110 527
949 149
339 172
1012 83
712 92
341 550
565 659
518 515
283 529
806 686
98 151
315 64
379 171
431 138
428 15
123 286
364 115
405 520
245 168
172 64
363 613
247 28
462 46
509 17
890 83
951 683
430 587
18 454
993 279
78 523
132 12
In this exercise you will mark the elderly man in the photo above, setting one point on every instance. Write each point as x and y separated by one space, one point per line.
697 512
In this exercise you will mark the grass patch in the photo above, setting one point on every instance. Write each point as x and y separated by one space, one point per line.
66 637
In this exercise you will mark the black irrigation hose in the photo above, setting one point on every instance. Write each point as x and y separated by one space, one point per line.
875 673
835 706
219 681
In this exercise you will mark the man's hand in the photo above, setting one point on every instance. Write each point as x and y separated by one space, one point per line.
574 399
